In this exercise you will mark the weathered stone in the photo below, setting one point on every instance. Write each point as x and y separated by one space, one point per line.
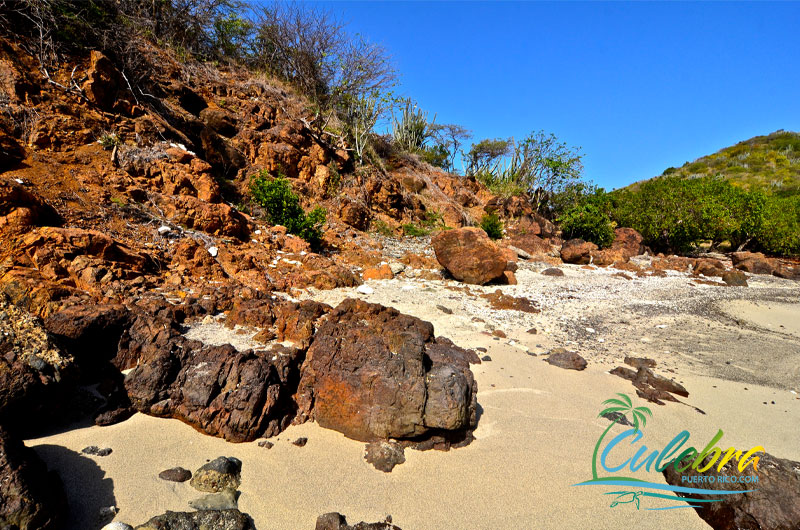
235 395
385 455
752 262
735 278
20 208
553 271
337 521
32 497
220 474
32 367
373 373
201 520
577 251
175 474
469 255
568 360
773 505
224 500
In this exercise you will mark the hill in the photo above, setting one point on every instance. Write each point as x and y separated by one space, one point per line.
770 163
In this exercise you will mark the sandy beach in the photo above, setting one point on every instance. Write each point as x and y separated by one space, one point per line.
538 423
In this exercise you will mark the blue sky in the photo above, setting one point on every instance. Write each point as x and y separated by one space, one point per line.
639 86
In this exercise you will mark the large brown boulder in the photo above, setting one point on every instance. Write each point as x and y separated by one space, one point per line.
752 262
774 505
629 241
469 255
103 81
577 251
32 497
373 373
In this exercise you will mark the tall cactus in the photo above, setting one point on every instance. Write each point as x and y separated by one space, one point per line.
412 129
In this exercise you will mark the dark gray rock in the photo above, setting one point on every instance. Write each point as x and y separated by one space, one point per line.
30 496
774 505
96 451
175 474
202 520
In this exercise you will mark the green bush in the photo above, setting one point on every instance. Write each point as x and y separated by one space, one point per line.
675 214
492 225
412 229
282 207
588 222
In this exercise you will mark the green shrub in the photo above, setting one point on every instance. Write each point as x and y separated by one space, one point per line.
588 222
283 207
381 227
492 225
412 229
110 141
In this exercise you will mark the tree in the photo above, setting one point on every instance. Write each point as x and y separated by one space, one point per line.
310 48
450 136
619 406
547 165
485 154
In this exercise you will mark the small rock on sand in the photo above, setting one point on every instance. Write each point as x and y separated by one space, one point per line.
175 474
219 474
96 451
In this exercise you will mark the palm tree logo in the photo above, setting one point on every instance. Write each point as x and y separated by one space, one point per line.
623 406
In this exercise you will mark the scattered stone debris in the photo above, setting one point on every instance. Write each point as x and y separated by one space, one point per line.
649 385
384 455
498 300
266 443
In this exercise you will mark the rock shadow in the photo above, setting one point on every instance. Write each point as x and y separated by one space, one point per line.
89 492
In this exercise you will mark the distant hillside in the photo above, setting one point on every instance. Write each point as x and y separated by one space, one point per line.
769 162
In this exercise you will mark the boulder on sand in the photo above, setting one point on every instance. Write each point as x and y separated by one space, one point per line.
469 255
373 373
774 504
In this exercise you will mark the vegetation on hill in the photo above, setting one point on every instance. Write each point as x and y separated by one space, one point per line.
770 163
743 197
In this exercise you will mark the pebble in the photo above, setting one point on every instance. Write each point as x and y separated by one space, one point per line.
486 358
175 474
365 289
96 451
300 442
266 443
213 251
164 229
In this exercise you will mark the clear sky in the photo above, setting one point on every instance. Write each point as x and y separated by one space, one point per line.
639 86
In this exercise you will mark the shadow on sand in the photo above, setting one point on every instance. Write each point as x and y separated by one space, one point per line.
88 491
